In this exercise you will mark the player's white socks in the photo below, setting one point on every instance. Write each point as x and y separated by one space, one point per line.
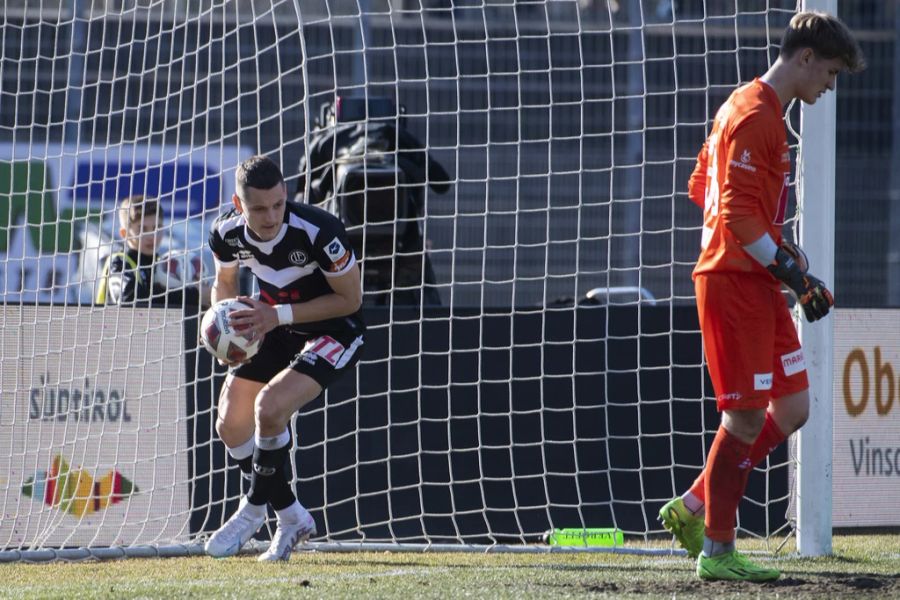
275 442
243 450
256 510
292 514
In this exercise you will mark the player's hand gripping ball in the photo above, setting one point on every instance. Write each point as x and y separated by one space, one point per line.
221 339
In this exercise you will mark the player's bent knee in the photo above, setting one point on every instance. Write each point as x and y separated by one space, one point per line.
744 424
233 434
791 412
271 412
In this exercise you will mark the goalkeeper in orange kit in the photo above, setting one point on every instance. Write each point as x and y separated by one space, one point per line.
752 350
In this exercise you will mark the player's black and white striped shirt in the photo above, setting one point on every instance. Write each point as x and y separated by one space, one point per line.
311 246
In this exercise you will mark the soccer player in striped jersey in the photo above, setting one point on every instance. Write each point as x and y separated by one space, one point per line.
308 316
753 353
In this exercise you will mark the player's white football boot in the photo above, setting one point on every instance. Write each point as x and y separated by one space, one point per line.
232 536
289 535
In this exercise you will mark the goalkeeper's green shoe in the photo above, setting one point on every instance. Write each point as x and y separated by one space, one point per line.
687 528
733 566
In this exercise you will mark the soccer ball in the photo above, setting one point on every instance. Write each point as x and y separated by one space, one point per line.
177 268
220 338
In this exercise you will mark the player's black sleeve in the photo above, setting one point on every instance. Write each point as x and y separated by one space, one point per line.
332 249
221 250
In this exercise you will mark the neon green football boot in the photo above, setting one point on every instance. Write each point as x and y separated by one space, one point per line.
733 566
687 528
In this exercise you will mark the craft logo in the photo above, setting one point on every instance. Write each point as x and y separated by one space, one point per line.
75 491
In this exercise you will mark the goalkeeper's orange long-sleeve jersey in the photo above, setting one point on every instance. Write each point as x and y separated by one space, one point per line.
741 180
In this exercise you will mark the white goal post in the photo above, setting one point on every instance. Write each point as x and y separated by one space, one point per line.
518 200
815 192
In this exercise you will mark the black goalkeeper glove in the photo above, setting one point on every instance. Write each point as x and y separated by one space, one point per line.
810 291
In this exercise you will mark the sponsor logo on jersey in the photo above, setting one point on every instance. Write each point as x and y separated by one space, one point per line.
762 381
298 257
236 242
245 255
793 363
744 163
335 250
325 346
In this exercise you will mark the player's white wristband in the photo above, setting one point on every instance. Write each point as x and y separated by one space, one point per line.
763 250
285 314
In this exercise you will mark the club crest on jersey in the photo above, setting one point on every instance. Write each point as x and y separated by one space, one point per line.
298 257
335 250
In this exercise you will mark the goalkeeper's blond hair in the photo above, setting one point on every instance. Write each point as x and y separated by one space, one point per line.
826 35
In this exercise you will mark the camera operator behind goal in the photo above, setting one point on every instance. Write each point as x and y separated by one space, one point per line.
365 167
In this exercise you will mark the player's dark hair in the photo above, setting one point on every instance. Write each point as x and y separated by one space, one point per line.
826 35
133 209
258 172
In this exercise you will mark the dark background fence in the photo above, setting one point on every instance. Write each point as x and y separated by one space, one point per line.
495 427
569 134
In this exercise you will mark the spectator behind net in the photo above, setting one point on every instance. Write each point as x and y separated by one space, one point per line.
128 275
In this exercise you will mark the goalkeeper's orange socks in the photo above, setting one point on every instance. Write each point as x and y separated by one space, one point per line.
768 439
727 470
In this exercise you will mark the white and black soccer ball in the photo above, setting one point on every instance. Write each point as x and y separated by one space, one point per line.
220 338
177 269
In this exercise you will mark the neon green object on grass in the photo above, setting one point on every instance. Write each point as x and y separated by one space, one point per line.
591 536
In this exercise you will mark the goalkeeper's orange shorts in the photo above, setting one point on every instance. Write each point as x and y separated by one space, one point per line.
751 344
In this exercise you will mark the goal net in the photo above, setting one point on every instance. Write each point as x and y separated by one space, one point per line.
513 177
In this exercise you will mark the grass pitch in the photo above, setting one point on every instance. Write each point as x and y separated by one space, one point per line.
861 566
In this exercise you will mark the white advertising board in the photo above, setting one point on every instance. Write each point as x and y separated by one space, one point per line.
866 418
49 250
93 442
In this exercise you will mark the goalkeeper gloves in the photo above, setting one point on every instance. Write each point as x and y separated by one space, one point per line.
790 268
